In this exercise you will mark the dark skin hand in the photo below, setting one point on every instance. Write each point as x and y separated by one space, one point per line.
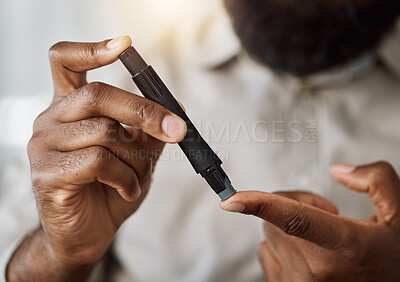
89 173
306 240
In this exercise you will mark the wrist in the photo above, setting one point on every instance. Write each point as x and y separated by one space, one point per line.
36 260
63 261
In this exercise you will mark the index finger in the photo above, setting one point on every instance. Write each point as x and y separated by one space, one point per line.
101 100
70 61
294 218
310 199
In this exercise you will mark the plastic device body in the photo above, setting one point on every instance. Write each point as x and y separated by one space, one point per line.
203 159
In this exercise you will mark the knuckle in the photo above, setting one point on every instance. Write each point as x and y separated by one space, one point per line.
55 50
32 144
38 180
92 93
326 268
297 223
38 167
32 148
107 129
383 168
381 172
146 112
37 144
37 123
91 52
41 120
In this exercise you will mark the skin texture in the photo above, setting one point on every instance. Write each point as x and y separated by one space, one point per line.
89 173
306 239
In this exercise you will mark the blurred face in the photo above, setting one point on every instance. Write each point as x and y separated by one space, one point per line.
302 37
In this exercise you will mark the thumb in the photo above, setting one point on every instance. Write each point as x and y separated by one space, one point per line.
294 218
381 183
71 60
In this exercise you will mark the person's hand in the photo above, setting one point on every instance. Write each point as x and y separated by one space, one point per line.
89 172
307 241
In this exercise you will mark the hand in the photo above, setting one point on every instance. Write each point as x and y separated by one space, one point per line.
307 241
89 172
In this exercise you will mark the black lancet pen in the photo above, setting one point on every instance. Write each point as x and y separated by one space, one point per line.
196 149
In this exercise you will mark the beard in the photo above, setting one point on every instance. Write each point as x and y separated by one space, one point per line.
302 37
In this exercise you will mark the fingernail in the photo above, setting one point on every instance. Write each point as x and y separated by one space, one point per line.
136 194
173 127
234 207
114 43
343 168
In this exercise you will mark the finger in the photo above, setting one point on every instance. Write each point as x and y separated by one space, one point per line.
270 265
275 236
279 241
299 256
95 164
380 181
67 137
293 217
98 99
310 199
153 146
70 61
292 254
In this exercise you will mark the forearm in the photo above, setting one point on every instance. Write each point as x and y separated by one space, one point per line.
35 261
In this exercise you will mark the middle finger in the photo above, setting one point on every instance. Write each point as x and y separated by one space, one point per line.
67 137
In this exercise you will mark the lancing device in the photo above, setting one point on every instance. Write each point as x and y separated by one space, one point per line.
203 159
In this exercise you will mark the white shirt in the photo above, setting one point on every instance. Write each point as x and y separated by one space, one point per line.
273 132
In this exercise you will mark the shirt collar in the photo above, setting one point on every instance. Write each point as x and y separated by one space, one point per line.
336 77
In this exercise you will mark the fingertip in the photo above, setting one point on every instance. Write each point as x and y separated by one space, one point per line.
236 207
115 47
128 40
120 43
240 200
131 197
132 192
342 169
